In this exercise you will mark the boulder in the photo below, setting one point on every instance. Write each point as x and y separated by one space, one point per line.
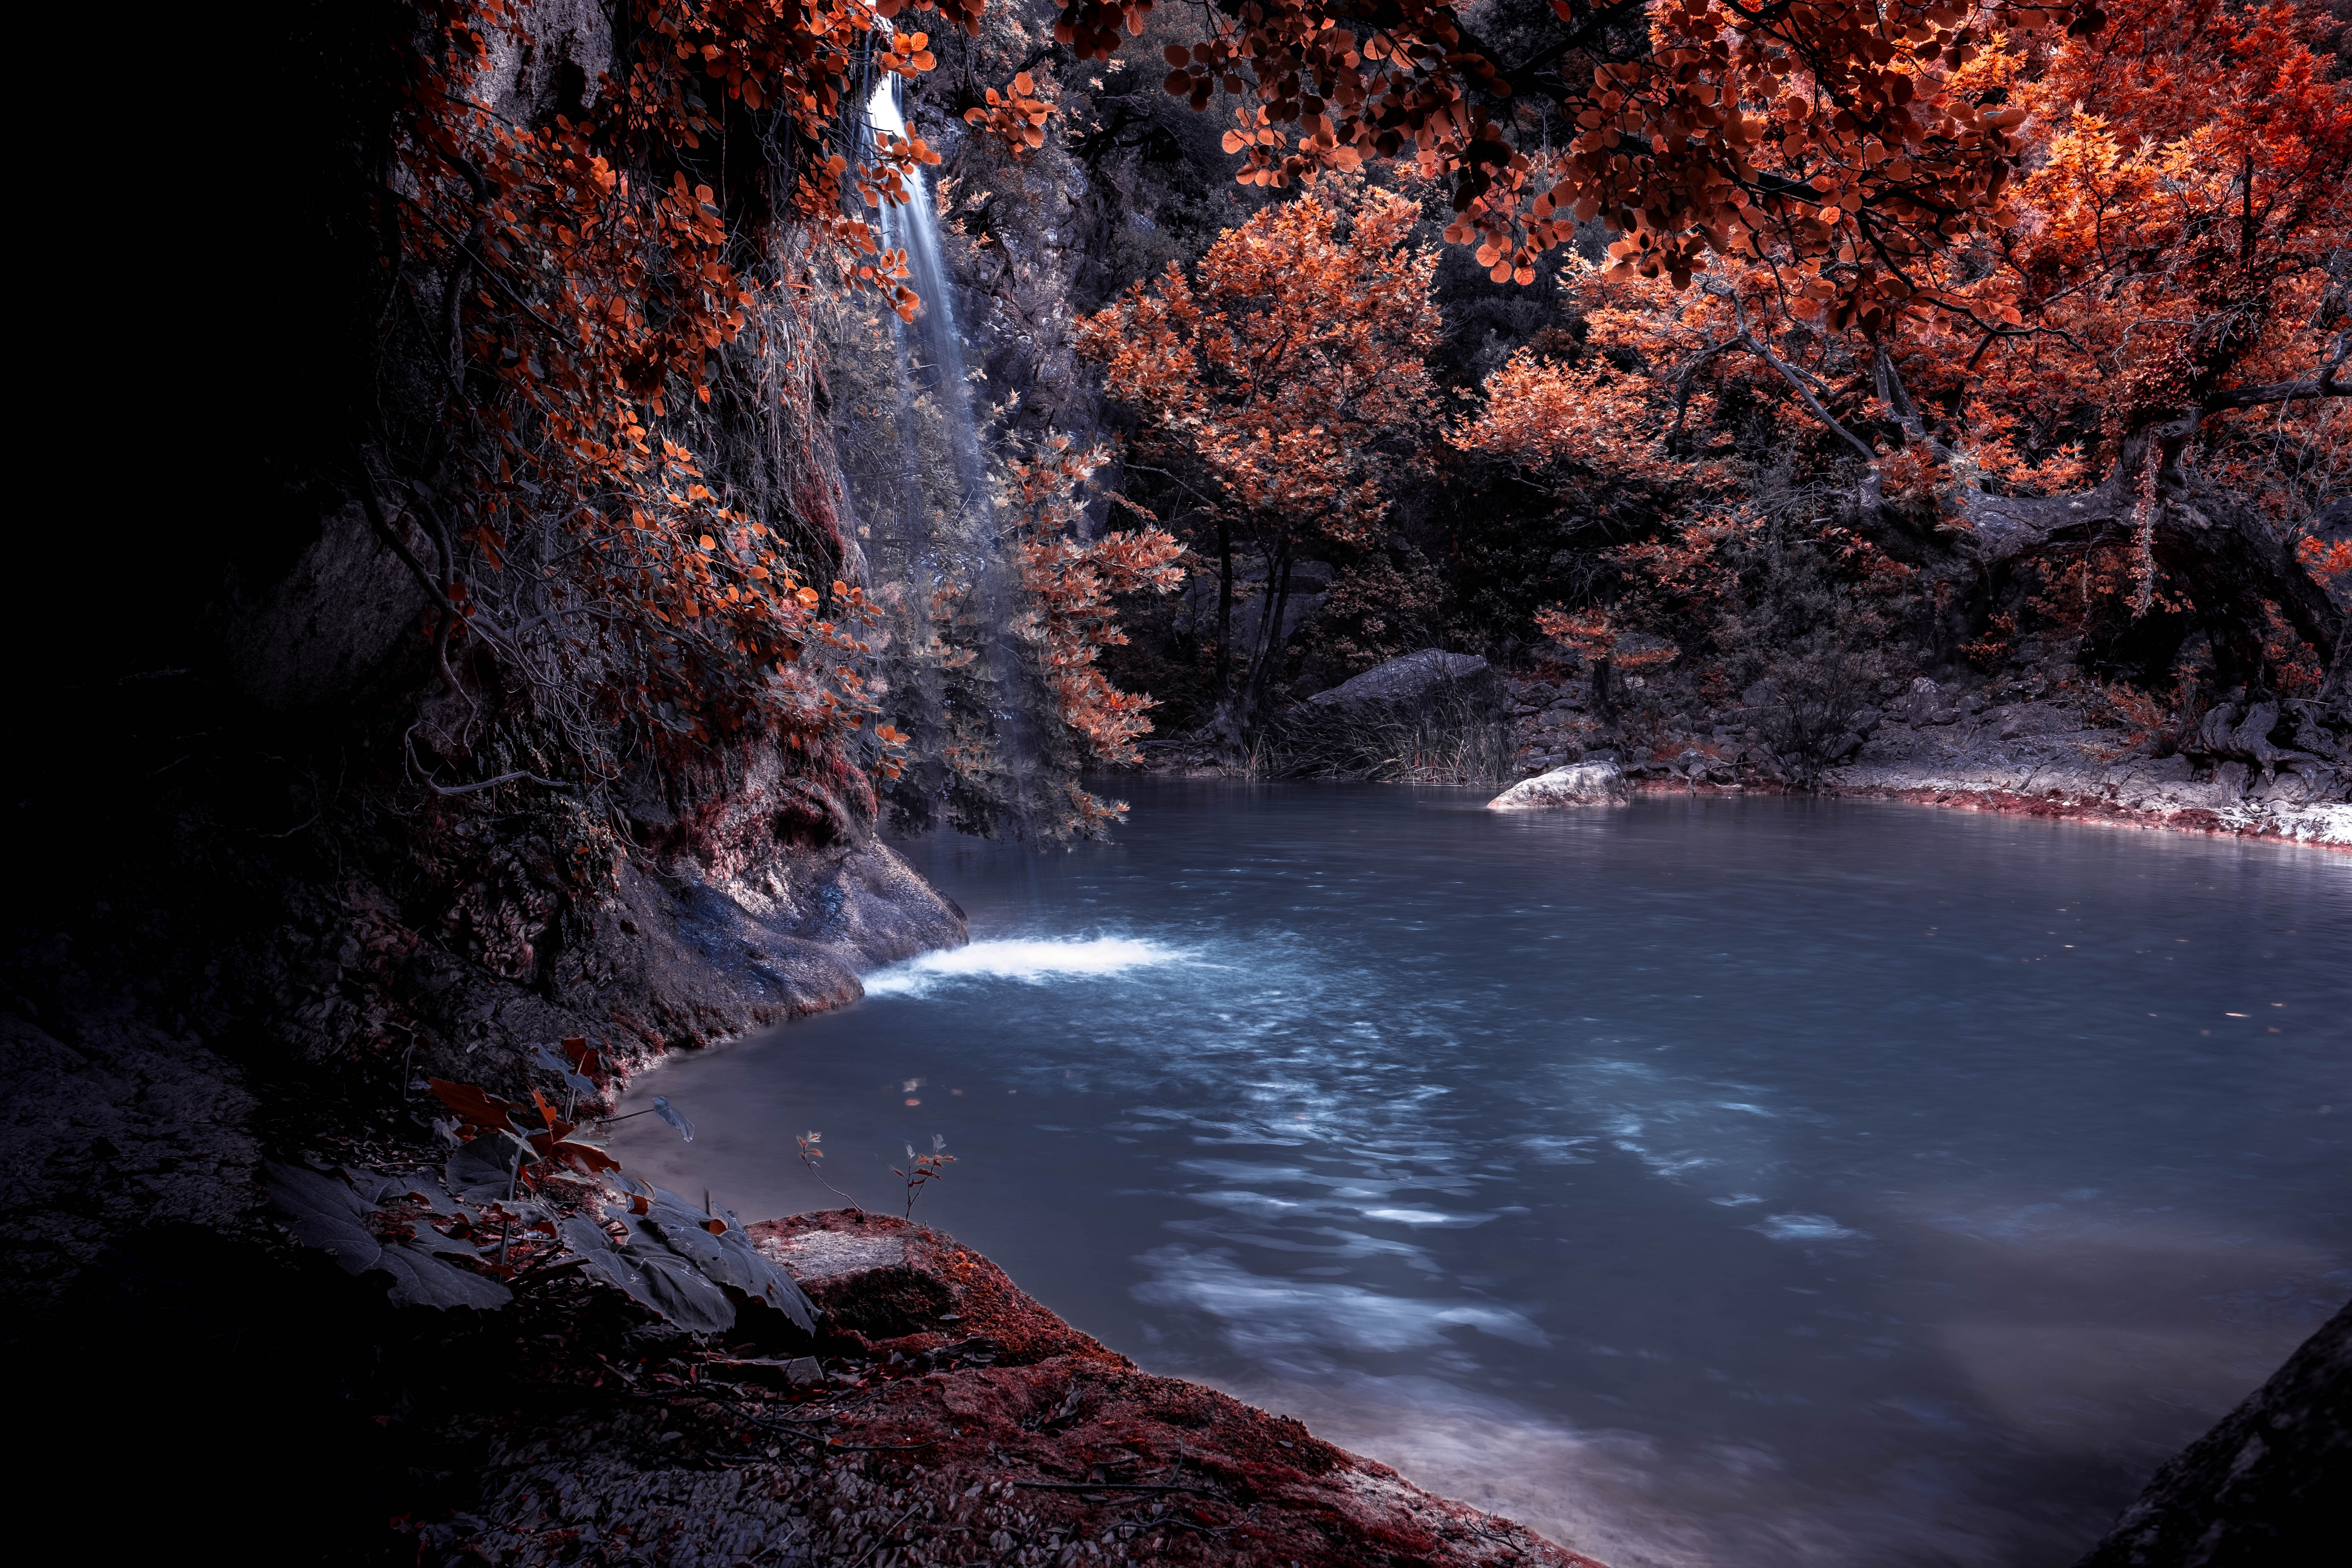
1586 783
2234 1495
1403 679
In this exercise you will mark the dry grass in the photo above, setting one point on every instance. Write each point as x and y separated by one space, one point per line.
1458 732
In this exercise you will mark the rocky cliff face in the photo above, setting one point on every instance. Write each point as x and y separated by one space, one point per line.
266 906
197 987
2268 1476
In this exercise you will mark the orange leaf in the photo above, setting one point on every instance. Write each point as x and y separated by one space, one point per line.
473 1104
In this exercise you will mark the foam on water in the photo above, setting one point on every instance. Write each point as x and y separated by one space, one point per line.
1034 961
1805 1228
1298 1321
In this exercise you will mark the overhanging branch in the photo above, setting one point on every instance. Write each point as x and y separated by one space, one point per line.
2324 384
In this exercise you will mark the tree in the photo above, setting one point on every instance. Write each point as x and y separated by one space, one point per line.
580 302
1796 131
2130 385
1291 371
1071 583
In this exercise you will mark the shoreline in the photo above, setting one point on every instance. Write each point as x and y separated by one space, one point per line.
2327 827
591 1429
939 1414
2095 798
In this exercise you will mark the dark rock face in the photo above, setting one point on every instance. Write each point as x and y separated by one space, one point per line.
145 1045
1405 679
2254 1485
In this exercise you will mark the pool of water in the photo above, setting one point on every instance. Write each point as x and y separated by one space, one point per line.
1714 1180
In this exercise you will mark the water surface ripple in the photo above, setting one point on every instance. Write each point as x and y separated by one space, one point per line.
1755 1182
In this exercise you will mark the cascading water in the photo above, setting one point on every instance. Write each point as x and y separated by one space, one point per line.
962 684
931 346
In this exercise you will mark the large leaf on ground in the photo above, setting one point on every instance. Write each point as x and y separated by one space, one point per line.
769 1283
588 1241
474 1104
421 1280
681 1291
687 1233
324 1212
484 1170
730 1259
585 1158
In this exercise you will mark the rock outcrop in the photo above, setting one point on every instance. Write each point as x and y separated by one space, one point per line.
2150 794
1582 783
145 1045
2036 751
2043 755
2272 1473
1407 679
944 1417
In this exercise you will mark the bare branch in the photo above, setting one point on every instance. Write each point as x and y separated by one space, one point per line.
408 749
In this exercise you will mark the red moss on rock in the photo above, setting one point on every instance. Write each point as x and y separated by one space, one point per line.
997 1393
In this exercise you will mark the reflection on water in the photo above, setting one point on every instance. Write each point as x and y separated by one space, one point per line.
1758 1181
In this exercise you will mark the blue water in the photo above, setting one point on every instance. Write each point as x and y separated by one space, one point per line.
1714 1180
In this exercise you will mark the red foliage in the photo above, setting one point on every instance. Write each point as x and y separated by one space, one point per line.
1017 116
1072 584
589 288
1289 361
2161 258
1828 134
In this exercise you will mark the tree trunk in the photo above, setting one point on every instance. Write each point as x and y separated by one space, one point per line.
1224 612
1224 717
1269 639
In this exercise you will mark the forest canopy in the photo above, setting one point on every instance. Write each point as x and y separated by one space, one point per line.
2014 304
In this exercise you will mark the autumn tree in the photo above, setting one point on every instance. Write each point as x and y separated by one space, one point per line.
2131 383
586 301
1693 128
1071 585
589 295
1290 370
587 291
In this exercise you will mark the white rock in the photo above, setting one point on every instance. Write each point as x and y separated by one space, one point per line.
1584 784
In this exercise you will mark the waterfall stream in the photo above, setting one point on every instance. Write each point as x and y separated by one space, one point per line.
962 684
931 346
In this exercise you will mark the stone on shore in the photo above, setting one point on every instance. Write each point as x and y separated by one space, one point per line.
1582 783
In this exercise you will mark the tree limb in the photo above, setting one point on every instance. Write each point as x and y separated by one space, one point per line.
2324 384
408 749
1788 373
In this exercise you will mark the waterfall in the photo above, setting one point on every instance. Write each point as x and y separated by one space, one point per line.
935 339
962 685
